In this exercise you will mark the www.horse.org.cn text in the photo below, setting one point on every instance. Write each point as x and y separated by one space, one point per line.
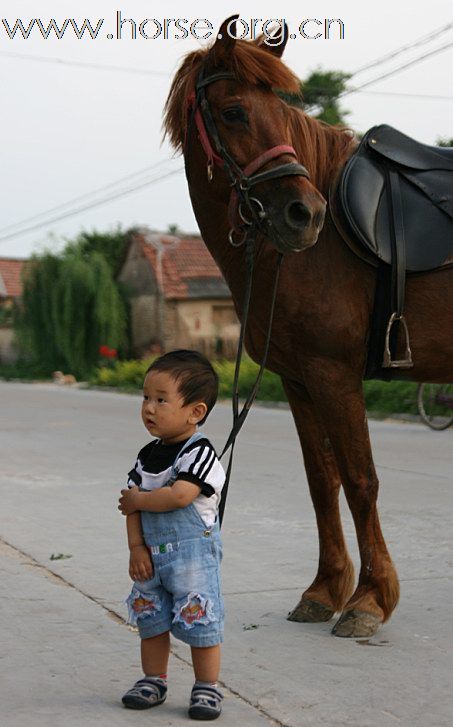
124 28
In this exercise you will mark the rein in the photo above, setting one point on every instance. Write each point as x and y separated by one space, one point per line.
254 220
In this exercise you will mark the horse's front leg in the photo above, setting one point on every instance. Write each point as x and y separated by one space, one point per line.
338 397
334 580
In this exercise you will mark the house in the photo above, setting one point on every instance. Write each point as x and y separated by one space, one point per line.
178 296
11 270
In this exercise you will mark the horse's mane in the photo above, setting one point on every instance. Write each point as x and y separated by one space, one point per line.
320 147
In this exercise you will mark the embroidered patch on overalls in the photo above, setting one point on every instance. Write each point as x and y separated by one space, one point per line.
139 604
193 609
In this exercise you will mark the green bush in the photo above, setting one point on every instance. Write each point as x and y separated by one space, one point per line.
391 397
381 397
271 388
26 370
122 374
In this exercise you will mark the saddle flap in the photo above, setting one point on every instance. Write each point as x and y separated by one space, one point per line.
402 150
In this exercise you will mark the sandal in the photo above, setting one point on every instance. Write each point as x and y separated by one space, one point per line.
147 692
205 703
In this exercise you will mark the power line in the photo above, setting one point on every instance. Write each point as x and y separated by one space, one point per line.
387 74
434 97
398 69
393 54
72 213
82 196
97 66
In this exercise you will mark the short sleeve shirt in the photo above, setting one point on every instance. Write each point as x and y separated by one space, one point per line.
198 464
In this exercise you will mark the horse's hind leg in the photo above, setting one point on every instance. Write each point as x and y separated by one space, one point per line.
334 581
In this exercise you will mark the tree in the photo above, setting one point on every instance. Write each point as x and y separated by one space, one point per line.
173 229
444 142
70 307
111 245
321 90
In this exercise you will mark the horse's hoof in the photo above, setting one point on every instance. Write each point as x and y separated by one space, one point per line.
308 611
356 624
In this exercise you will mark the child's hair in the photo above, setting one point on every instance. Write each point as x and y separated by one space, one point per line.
196 379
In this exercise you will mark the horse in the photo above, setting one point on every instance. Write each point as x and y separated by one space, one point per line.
324 298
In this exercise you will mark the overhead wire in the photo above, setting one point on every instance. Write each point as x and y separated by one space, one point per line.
83 196
91 205
398 69
434 97
387 74
83 64
427 38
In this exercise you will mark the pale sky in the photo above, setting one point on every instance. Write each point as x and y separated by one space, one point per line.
68 130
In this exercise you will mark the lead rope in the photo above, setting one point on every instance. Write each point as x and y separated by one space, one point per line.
239 417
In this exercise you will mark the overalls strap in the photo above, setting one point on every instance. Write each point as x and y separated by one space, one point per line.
174 470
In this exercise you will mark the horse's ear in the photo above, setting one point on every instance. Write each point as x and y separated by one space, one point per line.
276 42
226 39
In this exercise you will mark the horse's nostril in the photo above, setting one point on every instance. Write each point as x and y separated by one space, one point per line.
297 215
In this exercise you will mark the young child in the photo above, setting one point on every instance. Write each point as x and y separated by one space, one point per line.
171 506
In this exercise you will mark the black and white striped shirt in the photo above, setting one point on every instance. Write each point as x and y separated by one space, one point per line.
198 464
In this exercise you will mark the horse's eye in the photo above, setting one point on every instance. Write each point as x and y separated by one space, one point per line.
234 113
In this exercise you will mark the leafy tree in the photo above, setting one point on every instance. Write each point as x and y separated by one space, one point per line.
109 244
112 246
444 142
70 307
321 90
173 229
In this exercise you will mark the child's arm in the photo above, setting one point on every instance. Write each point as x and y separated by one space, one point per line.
140 563
163 499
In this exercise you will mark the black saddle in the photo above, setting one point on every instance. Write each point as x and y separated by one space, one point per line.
393 204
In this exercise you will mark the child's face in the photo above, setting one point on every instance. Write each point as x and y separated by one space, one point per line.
163 411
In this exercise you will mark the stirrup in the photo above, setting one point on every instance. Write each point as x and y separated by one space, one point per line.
406 362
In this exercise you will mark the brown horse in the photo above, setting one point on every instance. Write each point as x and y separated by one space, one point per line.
324 302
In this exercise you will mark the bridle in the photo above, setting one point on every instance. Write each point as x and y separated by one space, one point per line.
254 219
248 208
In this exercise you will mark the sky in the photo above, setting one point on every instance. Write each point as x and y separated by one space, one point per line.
74 132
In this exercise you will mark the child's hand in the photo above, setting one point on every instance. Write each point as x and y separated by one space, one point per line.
140 563
128 501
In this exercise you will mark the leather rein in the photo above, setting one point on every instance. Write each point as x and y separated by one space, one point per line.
253 220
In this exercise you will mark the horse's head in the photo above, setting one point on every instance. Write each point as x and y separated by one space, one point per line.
247 137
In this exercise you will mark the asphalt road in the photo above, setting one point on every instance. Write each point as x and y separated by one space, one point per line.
66 655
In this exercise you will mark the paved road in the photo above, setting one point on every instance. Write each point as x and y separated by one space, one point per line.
66 656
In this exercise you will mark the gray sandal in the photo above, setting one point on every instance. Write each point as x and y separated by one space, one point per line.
205 702
147 692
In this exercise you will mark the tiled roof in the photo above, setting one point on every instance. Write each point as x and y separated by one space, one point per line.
10 277
188 268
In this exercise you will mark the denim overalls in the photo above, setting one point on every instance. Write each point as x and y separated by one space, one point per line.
184 594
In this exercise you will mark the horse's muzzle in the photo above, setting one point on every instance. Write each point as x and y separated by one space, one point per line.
297 226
